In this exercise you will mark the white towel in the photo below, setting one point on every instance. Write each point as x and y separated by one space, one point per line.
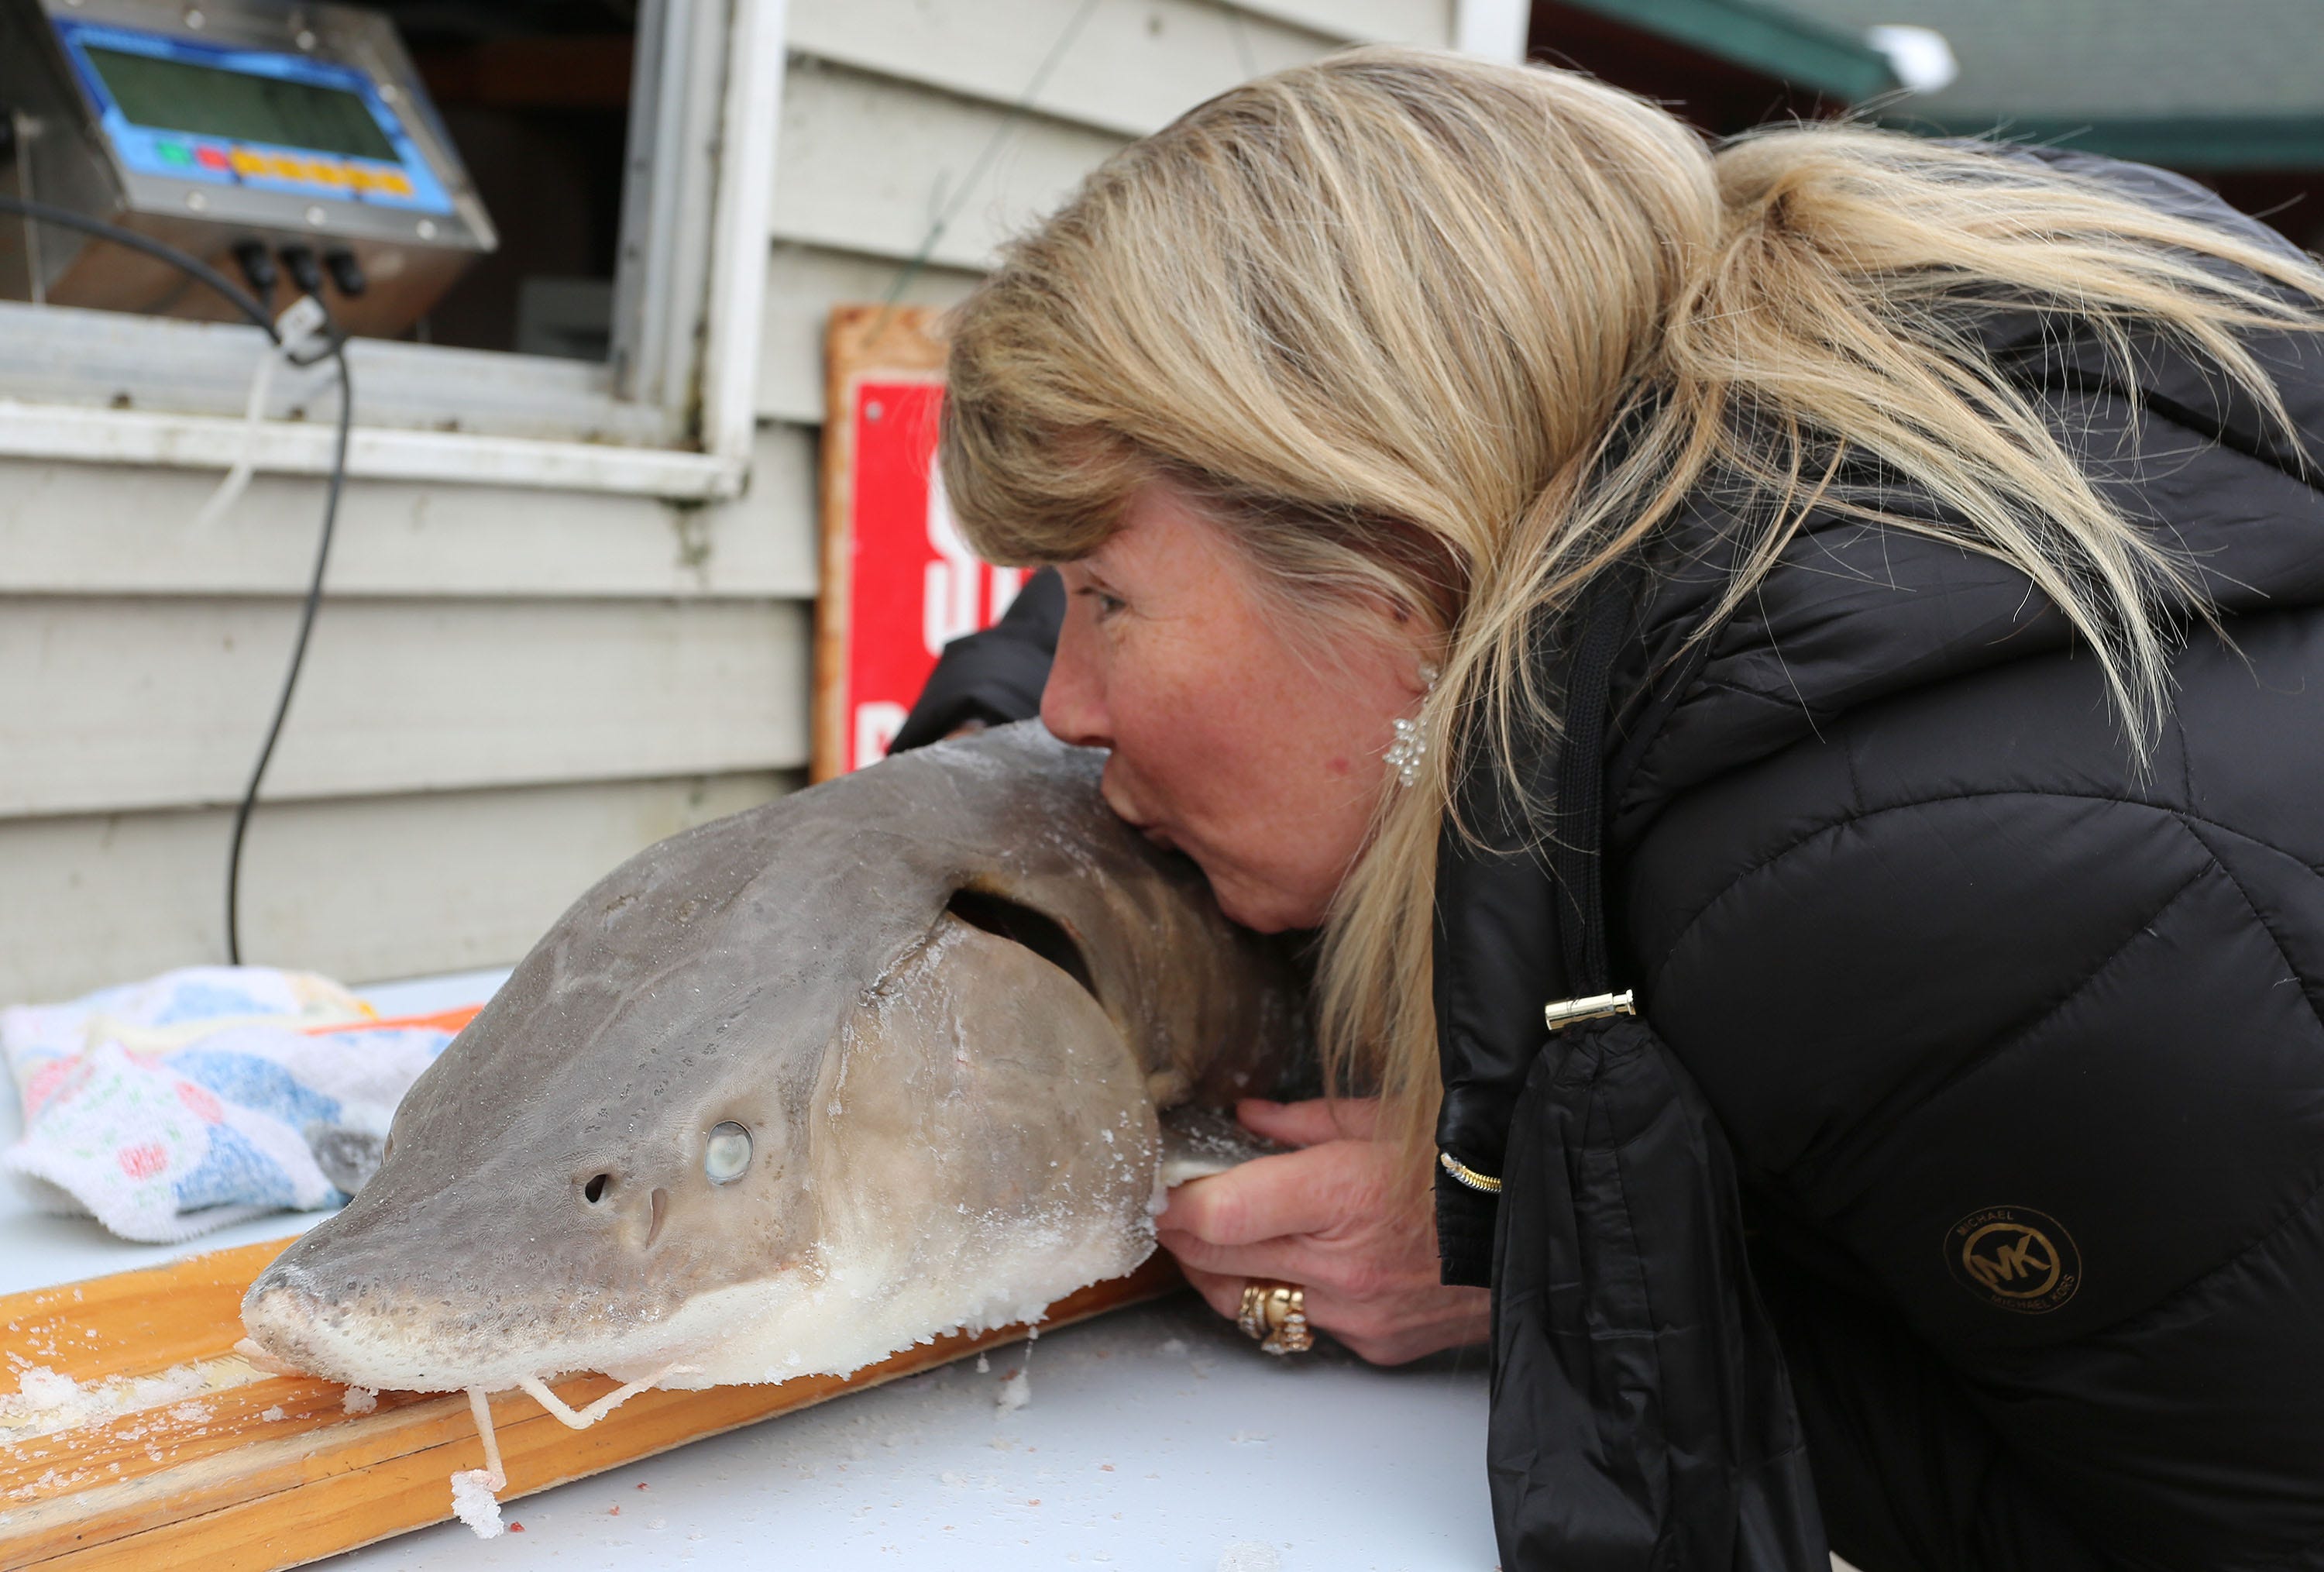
172 1106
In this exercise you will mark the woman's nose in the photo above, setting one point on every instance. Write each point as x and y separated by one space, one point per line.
1073 702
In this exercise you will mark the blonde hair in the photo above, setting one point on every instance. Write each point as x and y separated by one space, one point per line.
1452 337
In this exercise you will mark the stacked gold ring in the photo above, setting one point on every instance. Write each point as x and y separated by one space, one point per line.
1274 1314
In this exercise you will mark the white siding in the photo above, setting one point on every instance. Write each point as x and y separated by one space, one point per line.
803 282
161 708
1131 68
868 163
509 692
361 888
79 530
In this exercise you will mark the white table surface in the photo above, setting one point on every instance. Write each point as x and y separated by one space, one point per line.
1156 1437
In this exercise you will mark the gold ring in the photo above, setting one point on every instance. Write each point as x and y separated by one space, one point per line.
1275 1315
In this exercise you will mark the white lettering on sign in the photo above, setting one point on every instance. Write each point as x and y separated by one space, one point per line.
954 579
876 726
1006 583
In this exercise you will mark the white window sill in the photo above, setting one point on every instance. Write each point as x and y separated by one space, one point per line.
106 387
66 431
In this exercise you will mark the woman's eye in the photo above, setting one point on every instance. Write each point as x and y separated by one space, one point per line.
727 1154
1102 604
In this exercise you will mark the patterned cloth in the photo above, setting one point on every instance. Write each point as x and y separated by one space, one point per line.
169 1107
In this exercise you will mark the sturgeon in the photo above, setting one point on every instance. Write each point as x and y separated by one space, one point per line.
791 1091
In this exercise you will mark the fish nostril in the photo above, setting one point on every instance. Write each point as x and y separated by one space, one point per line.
595 1191
660 1211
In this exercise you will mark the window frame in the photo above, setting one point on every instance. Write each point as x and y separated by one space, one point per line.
671 415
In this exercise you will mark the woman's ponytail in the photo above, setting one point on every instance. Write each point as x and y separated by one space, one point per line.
1833 333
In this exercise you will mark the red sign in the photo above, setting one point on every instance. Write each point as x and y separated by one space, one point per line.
913 585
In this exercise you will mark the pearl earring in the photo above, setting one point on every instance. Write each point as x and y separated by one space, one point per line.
1405 754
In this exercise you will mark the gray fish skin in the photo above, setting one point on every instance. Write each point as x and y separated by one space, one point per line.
946 1128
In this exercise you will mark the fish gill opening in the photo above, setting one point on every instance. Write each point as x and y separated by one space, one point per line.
1020 924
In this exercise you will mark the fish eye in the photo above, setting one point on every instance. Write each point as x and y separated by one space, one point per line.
727 1154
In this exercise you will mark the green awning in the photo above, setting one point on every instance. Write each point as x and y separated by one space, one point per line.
2211 143
1791 48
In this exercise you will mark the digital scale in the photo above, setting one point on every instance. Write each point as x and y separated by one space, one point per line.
218 127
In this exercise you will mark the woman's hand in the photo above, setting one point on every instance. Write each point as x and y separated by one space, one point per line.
1342 1218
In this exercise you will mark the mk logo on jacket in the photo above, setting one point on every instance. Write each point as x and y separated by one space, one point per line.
2014 1259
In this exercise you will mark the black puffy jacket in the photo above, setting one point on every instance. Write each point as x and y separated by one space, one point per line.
2012 1045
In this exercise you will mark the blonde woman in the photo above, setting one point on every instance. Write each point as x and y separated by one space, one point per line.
1861 599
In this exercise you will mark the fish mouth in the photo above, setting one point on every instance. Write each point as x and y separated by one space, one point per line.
387 1344
390 1344
292 1329
810 1321
381 1345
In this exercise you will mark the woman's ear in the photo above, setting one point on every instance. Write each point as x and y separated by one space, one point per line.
1422 664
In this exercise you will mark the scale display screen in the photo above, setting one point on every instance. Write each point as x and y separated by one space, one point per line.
269 119
168 95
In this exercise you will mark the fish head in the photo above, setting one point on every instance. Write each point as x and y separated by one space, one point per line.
792 1090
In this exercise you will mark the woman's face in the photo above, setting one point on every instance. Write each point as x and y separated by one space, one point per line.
1258 760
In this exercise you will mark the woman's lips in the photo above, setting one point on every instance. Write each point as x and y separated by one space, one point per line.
1152 831
1127 812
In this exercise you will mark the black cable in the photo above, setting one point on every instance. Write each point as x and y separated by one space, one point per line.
193 266
66 218
297 653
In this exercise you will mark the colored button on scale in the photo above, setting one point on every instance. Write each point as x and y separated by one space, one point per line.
392 183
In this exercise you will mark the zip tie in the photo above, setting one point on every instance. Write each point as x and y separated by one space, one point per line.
294 329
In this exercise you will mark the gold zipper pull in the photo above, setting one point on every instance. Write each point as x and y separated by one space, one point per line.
1468 1175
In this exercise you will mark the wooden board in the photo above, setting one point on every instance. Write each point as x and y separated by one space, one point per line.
889 343
265 1472
901 581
